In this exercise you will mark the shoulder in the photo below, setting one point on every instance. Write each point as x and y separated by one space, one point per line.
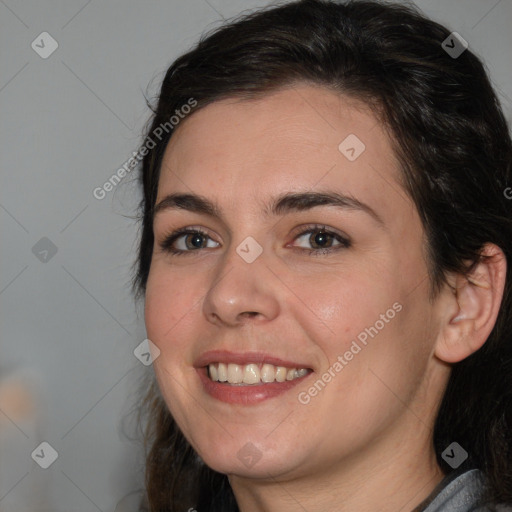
461 492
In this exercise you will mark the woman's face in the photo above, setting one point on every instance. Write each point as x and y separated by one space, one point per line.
280 278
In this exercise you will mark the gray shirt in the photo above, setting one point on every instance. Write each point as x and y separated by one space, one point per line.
459 492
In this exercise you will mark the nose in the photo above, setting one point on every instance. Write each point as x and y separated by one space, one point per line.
240 291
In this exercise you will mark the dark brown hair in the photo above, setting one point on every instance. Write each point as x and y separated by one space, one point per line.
454 147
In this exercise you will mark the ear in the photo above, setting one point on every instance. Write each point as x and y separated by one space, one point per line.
472 308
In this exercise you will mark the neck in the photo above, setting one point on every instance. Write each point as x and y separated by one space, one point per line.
394 477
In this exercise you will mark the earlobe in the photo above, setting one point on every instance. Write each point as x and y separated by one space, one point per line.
476 304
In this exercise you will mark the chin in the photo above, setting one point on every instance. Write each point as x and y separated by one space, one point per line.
252 460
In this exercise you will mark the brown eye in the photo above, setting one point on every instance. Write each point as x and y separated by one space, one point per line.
321 240
185 241
197 240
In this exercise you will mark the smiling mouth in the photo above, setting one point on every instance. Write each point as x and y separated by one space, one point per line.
253 374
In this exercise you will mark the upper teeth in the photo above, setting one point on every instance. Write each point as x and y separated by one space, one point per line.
252 373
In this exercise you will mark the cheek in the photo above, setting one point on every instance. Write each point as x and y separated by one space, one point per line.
169 305
168 313
357 320
342 305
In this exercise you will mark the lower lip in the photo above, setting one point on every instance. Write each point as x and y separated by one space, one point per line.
246 395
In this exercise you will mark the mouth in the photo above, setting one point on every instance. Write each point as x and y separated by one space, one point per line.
248 378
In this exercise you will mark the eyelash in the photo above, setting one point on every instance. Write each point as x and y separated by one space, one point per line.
167 243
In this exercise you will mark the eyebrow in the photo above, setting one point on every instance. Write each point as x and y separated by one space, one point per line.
280 205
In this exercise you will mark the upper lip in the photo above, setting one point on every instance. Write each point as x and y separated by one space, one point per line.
242 358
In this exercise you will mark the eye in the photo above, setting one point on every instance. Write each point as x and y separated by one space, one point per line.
185 240
322 239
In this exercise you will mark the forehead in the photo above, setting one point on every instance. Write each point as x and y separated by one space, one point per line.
299 138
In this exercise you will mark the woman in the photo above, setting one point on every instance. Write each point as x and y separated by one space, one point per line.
323 260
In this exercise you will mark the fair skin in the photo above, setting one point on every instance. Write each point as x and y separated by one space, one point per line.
364 442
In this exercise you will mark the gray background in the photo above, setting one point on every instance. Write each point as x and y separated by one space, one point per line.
69 324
